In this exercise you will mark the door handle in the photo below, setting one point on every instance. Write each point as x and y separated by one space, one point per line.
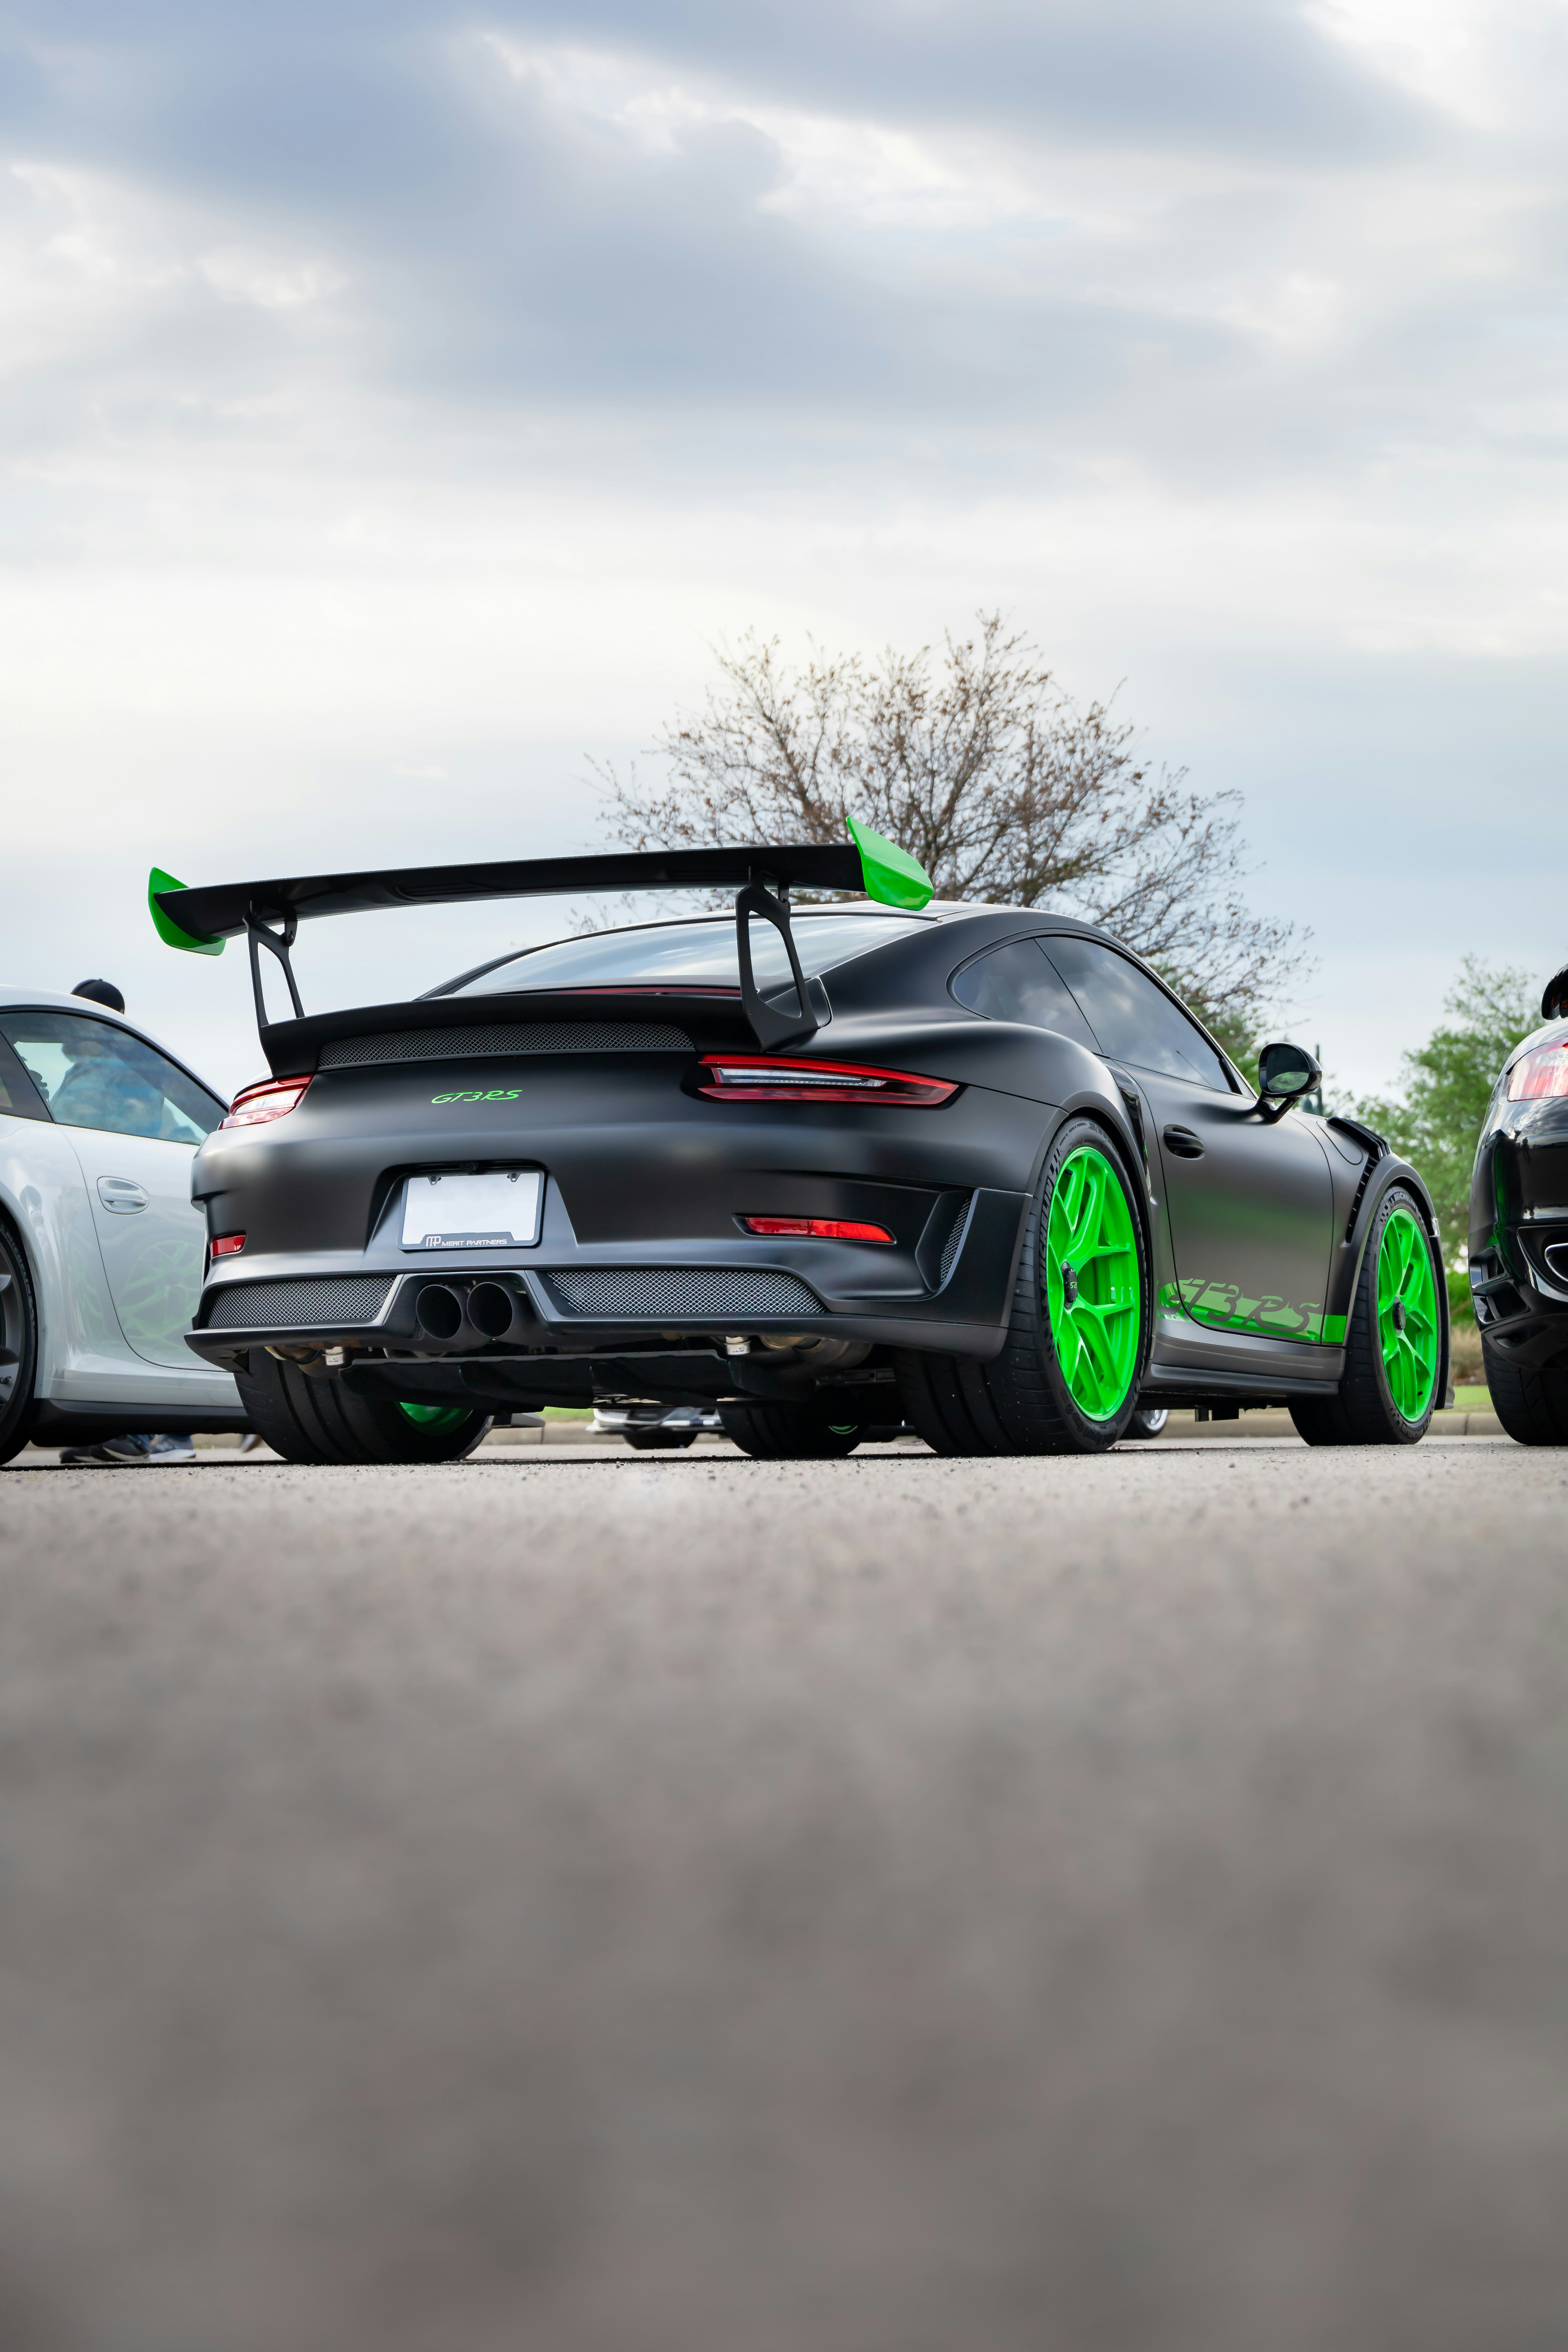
121 1196
1182 1142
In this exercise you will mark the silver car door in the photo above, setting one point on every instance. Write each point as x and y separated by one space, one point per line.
134 1118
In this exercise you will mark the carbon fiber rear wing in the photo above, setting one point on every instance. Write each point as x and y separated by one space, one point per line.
762 874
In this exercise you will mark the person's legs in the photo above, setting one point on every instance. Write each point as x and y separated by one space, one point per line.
128 1453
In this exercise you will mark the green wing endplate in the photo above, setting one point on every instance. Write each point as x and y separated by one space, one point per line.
168 931
890 874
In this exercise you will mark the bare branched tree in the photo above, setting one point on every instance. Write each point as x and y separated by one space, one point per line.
983 768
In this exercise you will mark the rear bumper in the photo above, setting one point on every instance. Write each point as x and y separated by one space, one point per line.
951 1293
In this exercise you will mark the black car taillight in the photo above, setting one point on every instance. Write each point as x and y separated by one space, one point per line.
736 1077
1543 1071
272 1098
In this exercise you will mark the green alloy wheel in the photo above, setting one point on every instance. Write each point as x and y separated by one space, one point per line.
435 1418
1396 1340
1093 1294
1068 1375
1408 1315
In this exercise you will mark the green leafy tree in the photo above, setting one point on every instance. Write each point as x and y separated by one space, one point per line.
980 766
1436 1121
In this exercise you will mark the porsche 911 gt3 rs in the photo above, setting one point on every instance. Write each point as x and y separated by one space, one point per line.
830 1169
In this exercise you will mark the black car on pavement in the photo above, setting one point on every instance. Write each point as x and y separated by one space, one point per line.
830 1169
1518 1231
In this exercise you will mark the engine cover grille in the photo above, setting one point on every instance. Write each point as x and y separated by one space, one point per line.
302 1306
513 1037
675 1294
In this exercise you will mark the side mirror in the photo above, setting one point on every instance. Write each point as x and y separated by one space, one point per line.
1285 1073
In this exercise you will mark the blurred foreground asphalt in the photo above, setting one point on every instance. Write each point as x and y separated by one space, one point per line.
686 1904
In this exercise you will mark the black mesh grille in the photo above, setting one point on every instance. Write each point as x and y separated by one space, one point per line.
300 1305
514 1037
673 1293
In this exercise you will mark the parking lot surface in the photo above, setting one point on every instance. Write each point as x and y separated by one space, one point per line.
580 1903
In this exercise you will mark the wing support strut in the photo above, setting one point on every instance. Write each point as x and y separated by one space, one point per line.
770 1027
278 943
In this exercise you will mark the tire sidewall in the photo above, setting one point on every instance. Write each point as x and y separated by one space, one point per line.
1396 1198
1073 1135
18 1414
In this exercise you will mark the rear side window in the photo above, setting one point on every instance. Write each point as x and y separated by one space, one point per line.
91 1075
1134 1020
19 1098
1018 983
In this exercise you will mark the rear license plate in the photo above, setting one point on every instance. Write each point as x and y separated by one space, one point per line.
499 1209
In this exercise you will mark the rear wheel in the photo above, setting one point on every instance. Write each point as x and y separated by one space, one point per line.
1393 1347
18 1343
796 1432
1066 1380
1532 1405
1149 1421
318 1419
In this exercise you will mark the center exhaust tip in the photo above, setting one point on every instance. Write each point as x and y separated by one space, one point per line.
439 1311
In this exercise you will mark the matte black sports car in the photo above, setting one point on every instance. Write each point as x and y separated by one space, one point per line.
1518 1231
969 1168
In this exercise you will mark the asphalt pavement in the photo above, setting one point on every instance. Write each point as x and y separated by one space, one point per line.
686 1904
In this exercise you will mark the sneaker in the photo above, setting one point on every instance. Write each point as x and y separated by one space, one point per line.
128 1453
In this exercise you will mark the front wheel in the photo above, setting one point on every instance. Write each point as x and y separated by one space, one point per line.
1149 1421
796 1432
317 1418
1066 1380
1393 1348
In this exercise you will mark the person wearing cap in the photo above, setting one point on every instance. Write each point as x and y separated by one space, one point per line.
134 1449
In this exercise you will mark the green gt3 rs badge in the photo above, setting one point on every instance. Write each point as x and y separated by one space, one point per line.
491 1094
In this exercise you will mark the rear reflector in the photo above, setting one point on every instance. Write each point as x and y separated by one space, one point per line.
227 1244
254 1105
819 1229
1543 1071
729 1078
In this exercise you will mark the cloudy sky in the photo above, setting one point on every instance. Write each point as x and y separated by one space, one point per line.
396 400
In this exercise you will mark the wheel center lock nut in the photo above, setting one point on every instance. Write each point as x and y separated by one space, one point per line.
1399 1314
1069 1285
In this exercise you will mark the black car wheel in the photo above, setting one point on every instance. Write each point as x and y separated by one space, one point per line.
1066 1380
18 1343
794 1433
1149 1421
1531 1403
1393 1348
316 1418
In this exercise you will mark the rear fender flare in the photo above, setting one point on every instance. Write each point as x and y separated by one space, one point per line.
1351 1254
1106 1110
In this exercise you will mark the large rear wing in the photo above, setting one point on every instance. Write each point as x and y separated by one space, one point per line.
762 874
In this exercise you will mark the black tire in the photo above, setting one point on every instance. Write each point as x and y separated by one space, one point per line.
1364 1412
1019 1402
1531 1403
1148 1421
317 1419
18 1343
794 1433
660 1441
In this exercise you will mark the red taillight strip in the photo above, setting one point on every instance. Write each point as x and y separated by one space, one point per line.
272 1098
735 1077
819 1229
227 1244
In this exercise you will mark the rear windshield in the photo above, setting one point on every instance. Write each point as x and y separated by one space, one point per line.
698 954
